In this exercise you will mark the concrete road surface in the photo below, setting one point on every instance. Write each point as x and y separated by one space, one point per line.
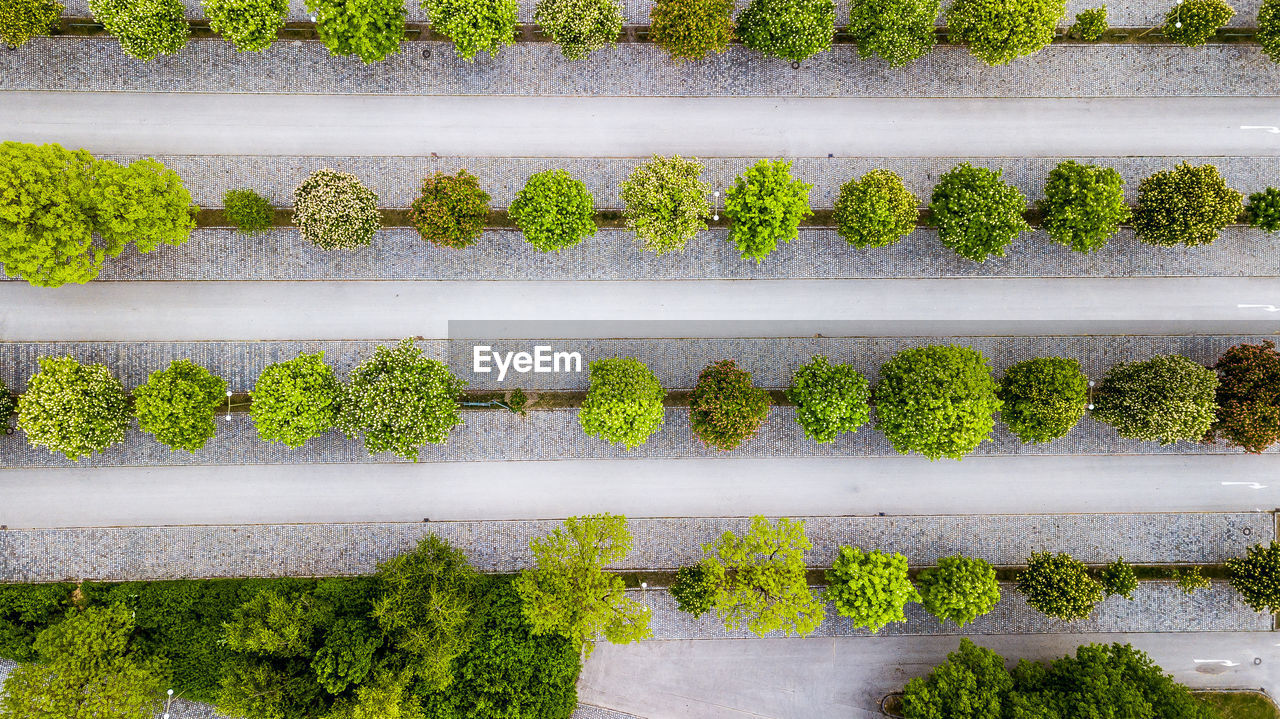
260 124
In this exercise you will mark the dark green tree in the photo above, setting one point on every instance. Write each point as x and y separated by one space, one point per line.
1264 209
977 214
939 401
1043 398
1257 577
829 399
1185 206
972 684
794 30
694 590
1059 586
1083 205
959 589
177 405
1118 578
369 29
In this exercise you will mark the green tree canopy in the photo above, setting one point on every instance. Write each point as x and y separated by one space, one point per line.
450 210
939 401
1257 577
999 31
666 202
765 206
369 29
871 588
21 20
1194 22
474 26
1164 399
829 399
1042 399
1185 206
898 31
335 211
72 408
623 403
554 211
1059 586
794 30
146 29
691 29
1118 578
580 27
1248 397
177 405
876 210
694 590
1083 205
726 409
250 25
959 588
977 214
296 400
971 684
1269 28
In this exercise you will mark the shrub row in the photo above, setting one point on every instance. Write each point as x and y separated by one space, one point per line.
938 401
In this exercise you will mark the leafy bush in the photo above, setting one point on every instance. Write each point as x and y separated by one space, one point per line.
554 211
691 29
1043 398
1090 25
1248 397
1194 22
250 25
794 30
1118 578
870 588
998 31
146 29
875 211
248 211
972 684
959 588
1083 205
368 29
1164 399
623 403
1189 580
725 409
72 408
1269 28
1264 209
1184 206
580 27
898 31
474 26
1059 586
21 20
177 405
977 214
694 590
829 399
400 400
939 401
26 610
335 211
450 210
1257 577
666 202
765 206
296 400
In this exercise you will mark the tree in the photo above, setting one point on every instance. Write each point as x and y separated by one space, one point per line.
623 403
474 26
959 588
21 20
765 206
999 31
568 592
1257 577
450 210
250 25
7 407
976 213
247 211
72 408
829 399
1269 28
554 211
177 405
1164 399
939 401
1090 25
1194 22
1042 399
580 27
1083 205
144 203
1059 586
870 588
296 400
725 409
1264 209
694 590
1118 578
760 579
691 29
369 29
794 30
876 210
146 29
25 611
1184 206
898 31
666 202
335 211
972 684
1189 580
1248 397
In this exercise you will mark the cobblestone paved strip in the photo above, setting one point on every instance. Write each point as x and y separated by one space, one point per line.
639 70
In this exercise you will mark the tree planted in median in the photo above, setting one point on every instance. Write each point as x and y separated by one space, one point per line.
876 210
73 409
794 30
1059 586
580 27
765 206
177 404
829 399
554 211
1164 399
21 20
1257 577
450 210
725 408
691 29
999 31
1083 205
665 203
898 31
335 211
939 401
870 588
1248 397
1195 22
250 25
1187 205
369 29
146 29
1042 399
296 400
959 589
474 26
623 403
977 214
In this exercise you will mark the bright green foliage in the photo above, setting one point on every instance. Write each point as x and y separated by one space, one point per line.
977 213
829 399
794 30
144 203
959 588
1269 28
474 26
177 405
1189 580
26 610
1083 205
1264 209
72 408
335 211
399 401
970 685
580 27
691 29
7 407
554 211
1164 399
296 400
1185 206
1194 22
875 211
998 31
725 409
89 668
1118 578
760 579
250 25
1043 398
1257 577
146 29
694 590
898 31
623 403
567 591
1059 586
765 206
939 401
450 210
870 588
666 202
368 29
20 20
1248 397
1090 25
248 211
